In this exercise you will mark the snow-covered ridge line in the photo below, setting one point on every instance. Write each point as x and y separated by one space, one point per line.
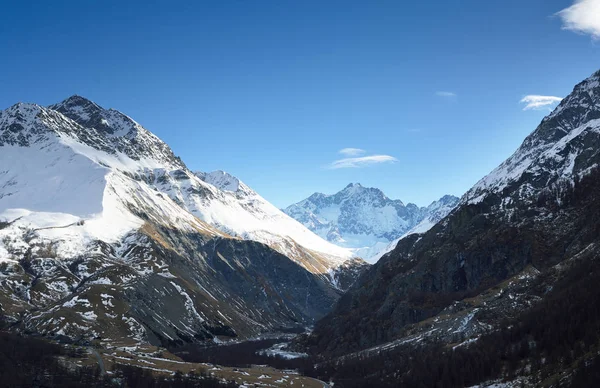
100 166
551 151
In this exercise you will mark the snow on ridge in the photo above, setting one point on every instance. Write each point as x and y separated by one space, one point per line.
587 86
235 208
220 179
531 157
95 175
245 213
76 193
51 179
576 113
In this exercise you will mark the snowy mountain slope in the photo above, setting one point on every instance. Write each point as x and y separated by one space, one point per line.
242 212
224 181
233 207
52 165
364 219
93 204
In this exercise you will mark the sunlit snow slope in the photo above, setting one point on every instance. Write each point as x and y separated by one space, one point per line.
83 162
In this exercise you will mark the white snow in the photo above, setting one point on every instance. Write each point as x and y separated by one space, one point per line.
189 303
50 179
221 180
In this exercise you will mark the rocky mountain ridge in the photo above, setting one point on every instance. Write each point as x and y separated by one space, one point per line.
365 219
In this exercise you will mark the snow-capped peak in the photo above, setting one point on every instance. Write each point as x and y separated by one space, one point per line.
94 162
77 105
363 218
115 133
582 102
24 124
355 190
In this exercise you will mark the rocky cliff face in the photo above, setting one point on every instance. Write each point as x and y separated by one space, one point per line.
365 219
496 254
105 233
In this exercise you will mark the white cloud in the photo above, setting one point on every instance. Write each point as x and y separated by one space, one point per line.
445 94
362 161
539 102
582 17
351 151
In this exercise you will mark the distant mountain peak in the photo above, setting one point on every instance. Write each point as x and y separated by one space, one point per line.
365 219
23 106
353 185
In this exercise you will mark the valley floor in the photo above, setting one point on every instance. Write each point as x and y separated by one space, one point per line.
163 362
27 362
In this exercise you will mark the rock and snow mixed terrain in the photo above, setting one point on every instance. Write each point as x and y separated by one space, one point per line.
509 241
74 164
93 205
562 149
365 220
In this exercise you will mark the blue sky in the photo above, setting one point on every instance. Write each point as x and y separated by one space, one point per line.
271 91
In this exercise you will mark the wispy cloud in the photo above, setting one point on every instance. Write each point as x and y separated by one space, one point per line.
582 17
539 102
362 161
351 151
445 94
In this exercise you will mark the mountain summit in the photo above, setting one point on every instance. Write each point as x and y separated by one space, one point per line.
365 219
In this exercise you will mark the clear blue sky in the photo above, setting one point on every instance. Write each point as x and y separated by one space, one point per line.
272 90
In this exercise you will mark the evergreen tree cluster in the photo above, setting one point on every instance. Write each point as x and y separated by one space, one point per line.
32 362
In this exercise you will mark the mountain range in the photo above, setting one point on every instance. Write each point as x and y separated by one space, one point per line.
105 233
107 237
365 219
